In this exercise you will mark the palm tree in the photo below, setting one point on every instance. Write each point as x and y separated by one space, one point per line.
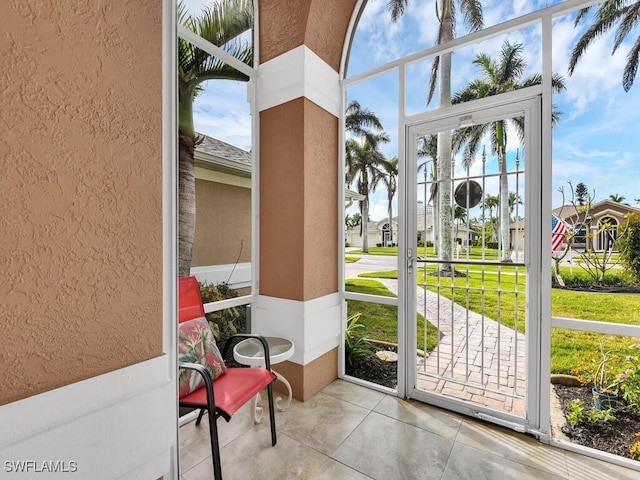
491 202
360 121
387 173
352 220
611 12
460 217
429 149
363 163
362 157
513 201
499 76
221 24
617 198
446 11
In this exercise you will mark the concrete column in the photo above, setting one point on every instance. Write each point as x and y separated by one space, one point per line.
299 104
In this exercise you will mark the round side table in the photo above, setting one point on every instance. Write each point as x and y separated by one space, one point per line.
250 352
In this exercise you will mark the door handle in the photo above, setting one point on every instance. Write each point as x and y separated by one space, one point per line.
410 260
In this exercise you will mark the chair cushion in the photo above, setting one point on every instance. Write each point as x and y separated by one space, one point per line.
232 390
196 344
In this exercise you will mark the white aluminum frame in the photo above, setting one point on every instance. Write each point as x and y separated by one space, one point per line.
483 111
252 98
544 17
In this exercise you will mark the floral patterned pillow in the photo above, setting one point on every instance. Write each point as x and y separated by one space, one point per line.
196 344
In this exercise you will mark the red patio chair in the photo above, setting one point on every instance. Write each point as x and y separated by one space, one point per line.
223 393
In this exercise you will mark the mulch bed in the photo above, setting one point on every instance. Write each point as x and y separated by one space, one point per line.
612 437
374 370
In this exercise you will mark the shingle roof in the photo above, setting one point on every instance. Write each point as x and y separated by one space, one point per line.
221 149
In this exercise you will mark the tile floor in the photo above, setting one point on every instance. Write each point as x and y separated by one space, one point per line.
350 432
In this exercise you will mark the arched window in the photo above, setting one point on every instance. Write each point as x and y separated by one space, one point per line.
580 230
607 233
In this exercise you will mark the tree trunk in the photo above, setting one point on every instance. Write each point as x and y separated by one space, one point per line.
186 203
445 245
504 208
390 222
365 224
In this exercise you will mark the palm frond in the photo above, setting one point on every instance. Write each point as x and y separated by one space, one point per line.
472 14
581 14
631 67
220 24
629 20
360 121
396 8
604 21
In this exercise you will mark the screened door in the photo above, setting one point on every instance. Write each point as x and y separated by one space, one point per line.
470 203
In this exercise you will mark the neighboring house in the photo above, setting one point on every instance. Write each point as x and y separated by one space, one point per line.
591 224
350 196
223 197
516 235
379 232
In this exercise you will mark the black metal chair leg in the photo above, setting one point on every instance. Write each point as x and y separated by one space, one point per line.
215 447
272 414
200 416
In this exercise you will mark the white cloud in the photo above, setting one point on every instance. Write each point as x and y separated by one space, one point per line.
597 71
222 111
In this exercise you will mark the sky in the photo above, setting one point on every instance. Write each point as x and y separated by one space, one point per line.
594 143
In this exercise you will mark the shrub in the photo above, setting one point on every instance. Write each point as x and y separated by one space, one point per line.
629 245
229 321
630 386
355 343
581 278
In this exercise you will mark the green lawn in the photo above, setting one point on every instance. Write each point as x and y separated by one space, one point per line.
476 253
381 321
567 346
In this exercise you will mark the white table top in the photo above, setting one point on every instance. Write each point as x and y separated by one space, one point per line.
250 351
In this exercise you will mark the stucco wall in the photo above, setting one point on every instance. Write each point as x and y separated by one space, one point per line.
223 221
80 190
298 201
321 25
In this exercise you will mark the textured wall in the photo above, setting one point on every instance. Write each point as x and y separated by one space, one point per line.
298 201
321 25
80 190
321 201
223 221
282 201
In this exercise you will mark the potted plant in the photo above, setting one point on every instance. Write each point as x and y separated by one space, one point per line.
602 372
606 381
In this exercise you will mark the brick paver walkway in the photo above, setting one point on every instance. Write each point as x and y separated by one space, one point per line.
476 360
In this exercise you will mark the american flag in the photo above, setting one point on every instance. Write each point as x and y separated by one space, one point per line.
558 229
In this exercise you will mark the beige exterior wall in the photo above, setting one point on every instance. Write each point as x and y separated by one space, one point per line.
321 25
80 191
223 221
298 201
